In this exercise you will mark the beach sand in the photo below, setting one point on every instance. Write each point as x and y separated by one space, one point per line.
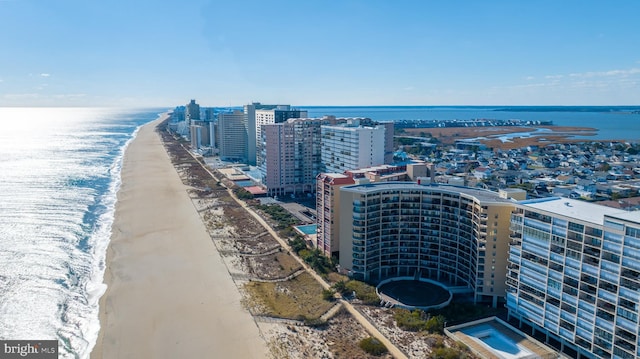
169 293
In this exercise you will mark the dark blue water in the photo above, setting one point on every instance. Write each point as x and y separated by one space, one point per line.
613 123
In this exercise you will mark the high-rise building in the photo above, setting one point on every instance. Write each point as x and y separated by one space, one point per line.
574 276
204 133
292 155
232 137
209 114
458 236
250 128
271 116
356 144
192 112
389 131
328 211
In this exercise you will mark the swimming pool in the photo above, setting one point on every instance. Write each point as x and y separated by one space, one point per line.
498 343
308 229
246 183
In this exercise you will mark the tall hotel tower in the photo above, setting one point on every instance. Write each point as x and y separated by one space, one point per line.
574 276
458 236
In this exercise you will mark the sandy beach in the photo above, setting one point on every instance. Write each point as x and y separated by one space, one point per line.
169 293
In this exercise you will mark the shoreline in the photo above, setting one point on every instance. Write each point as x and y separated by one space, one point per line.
168 292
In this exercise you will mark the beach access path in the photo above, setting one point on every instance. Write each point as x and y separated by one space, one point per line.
169 293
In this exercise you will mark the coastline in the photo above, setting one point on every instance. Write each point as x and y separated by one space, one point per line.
168 291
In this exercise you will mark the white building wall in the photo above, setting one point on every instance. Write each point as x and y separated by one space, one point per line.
349 148
574 275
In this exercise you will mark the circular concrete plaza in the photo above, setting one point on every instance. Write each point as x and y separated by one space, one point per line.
415 293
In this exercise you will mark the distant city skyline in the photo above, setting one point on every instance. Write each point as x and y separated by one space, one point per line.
358 52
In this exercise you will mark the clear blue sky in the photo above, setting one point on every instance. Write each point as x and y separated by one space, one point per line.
311 52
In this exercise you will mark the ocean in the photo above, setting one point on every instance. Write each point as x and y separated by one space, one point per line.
59 174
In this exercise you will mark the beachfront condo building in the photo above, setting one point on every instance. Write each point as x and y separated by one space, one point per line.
458 236
279 114
205 132
389 131
328 211
358 143
196 133
232 136
328 197
250 128
192 112
291 150
574 276
290 154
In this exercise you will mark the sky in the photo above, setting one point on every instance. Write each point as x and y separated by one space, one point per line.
156 53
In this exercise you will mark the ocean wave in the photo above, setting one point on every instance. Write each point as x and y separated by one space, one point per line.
58 191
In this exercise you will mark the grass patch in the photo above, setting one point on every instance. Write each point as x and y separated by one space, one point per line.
288 263
300 298
417 320
457 351
365 292
316 260
283 218
335 277
464 312
372 346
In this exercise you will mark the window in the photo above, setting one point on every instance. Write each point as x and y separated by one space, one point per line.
576 227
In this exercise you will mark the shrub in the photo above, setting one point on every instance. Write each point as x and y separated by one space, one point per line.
462 312
328 295
418 320
279 214
341 287
364 292
409 320
448 353
243 194
435 324
297 244
318 261
372 346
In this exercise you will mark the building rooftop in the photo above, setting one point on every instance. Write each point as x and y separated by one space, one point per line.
480 194
584 211
631 216
335 175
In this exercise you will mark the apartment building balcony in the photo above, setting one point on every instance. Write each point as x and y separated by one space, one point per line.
626 324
